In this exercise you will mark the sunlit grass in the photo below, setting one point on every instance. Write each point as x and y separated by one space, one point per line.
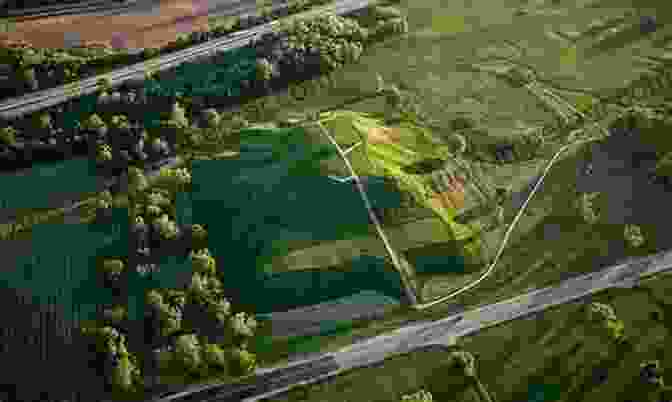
449 23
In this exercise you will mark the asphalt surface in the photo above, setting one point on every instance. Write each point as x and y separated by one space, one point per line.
21 106
269 382
74 8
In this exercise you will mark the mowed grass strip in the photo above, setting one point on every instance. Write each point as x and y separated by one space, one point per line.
552 348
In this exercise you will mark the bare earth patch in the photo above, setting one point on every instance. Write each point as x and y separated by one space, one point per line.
122 31
379 135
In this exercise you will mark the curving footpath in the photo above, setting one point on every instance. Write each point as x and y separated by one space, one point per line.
441 333
519 214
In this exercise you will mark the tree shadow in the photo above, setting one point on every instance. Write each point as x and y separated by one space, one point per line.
624 38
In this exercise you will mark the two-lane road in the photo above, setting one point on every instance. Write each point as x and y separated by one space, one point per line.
144 23
269 382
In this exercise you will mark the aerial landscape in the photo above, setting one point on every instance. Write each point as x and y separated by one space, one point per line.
348 200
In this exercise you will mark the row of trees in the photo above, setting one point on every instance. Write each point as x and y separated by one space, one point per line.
190 330
36 69
601 327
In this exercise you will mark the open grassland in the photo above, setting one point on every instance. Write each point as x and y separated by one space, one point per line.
446 64
568 45
552 351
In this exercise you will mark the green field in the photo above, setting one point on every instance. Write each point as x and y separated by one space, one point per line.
435 64
456 70
552 351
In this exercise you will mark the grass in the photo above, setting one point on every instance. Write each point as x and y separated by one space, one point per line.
405 237
514 357
550 242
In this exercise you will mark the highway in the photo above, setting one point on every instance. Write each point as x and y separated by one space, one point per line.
441 333
74 8
17 107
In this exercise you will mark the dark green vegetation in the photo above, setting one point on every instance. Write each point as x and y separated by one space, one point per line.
139 126
160 316
34 69
575 352
490 93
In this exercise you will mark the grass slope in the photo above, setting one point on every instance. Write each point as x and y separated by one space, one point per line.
550 352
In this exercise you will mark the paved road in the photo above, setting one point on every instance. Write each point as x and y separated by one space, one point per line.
269 382
137 24
29 103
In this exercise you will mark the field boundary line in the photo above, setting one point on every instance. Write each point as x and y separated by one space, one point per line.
507 235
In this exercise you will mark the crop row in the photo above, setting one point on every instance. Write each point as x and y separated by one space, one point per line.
28 69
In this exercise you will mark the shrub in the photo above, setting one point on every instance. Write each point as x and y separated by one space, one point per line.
187 352
633 236
165 226
211 118
202 262
104 153
587 208
242 362
94 122
8 135
150 52
104 84
178 115
243 326
215 356
43 121
29 78
115 316
263 69
420 396
165 359
112 267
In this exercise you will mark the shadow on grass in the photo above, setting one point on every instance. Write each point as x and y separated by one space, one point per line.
621 39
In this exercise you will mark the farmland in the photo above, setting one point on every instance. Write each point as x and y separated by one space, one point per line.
458 111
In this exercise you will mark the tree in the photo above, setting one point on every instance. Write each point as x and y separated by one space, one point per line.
188 353
467 363
420 396
458 143
210 118
8 135
651 376
242 361
120 366
587 209
392 96
263 70
29 78
173 180
243 326
633 236
111 270
103 153
602 322
137 182
178 115
96 124
43 123
104 85
215 356
166 227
